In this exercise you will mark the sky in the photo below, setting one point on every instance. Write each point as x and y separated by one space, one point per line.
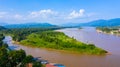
57 11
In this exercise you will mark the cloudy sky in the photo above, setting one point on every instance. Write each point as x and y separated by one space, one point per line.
58 11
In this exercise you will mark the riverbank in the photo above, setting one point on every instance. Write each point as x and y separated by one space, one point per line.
100 31
44 62
49 49
109 31
62 51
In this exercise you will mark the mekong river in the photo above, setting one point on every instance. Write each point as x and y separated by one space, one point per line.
87 35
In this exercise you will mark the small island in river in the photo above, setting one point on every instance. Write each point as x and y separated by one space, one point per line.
59 41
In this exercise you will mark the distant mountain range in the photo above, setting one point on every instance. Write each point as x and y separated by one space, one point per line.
2 28
97 23
3 23
29 25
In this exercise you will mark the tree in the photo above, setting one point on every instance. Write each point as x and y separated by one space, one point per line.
5 45
37 64
1 37
3 56
26 60
16 56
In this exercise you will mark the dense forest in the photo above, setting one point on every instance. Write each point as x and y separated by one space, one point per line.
15 58
19 34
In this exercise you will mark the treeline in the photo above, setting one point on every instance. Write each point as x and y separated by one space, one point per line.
1 42
108 29
105 29
19 34
15 58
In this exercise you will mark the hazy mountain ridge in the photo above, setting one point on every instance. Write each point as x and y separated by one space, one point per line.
111 22
29 25
2 28
3 23
96 23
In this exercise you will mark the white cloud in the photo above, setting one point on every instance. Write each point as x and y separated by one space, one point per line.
17 16
2 14
91 14
75 14
42 13
46 15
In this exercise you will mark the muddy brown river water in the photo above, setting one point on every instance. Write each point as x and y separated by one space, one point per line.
87 35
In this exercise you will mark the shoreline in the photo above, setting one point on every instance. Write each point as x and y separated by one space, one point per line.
71 52
44 62
65 51
100 31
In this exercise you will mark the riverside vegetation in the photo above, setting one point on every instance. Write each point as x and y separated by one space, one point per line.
15 58
47 38
58 40
110 30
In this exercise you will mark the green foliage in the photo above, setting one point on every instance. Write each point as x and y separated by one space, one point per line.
58 40
5 45
104 29
12 58
17 56
110 30
1 37
3 56
37 64
3 52
19 34
26 60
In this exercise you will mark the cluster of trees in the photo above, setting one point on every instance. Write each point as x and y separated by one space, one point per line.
19 34
14 58
104 29
1 37
1 42
108 29
58 40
